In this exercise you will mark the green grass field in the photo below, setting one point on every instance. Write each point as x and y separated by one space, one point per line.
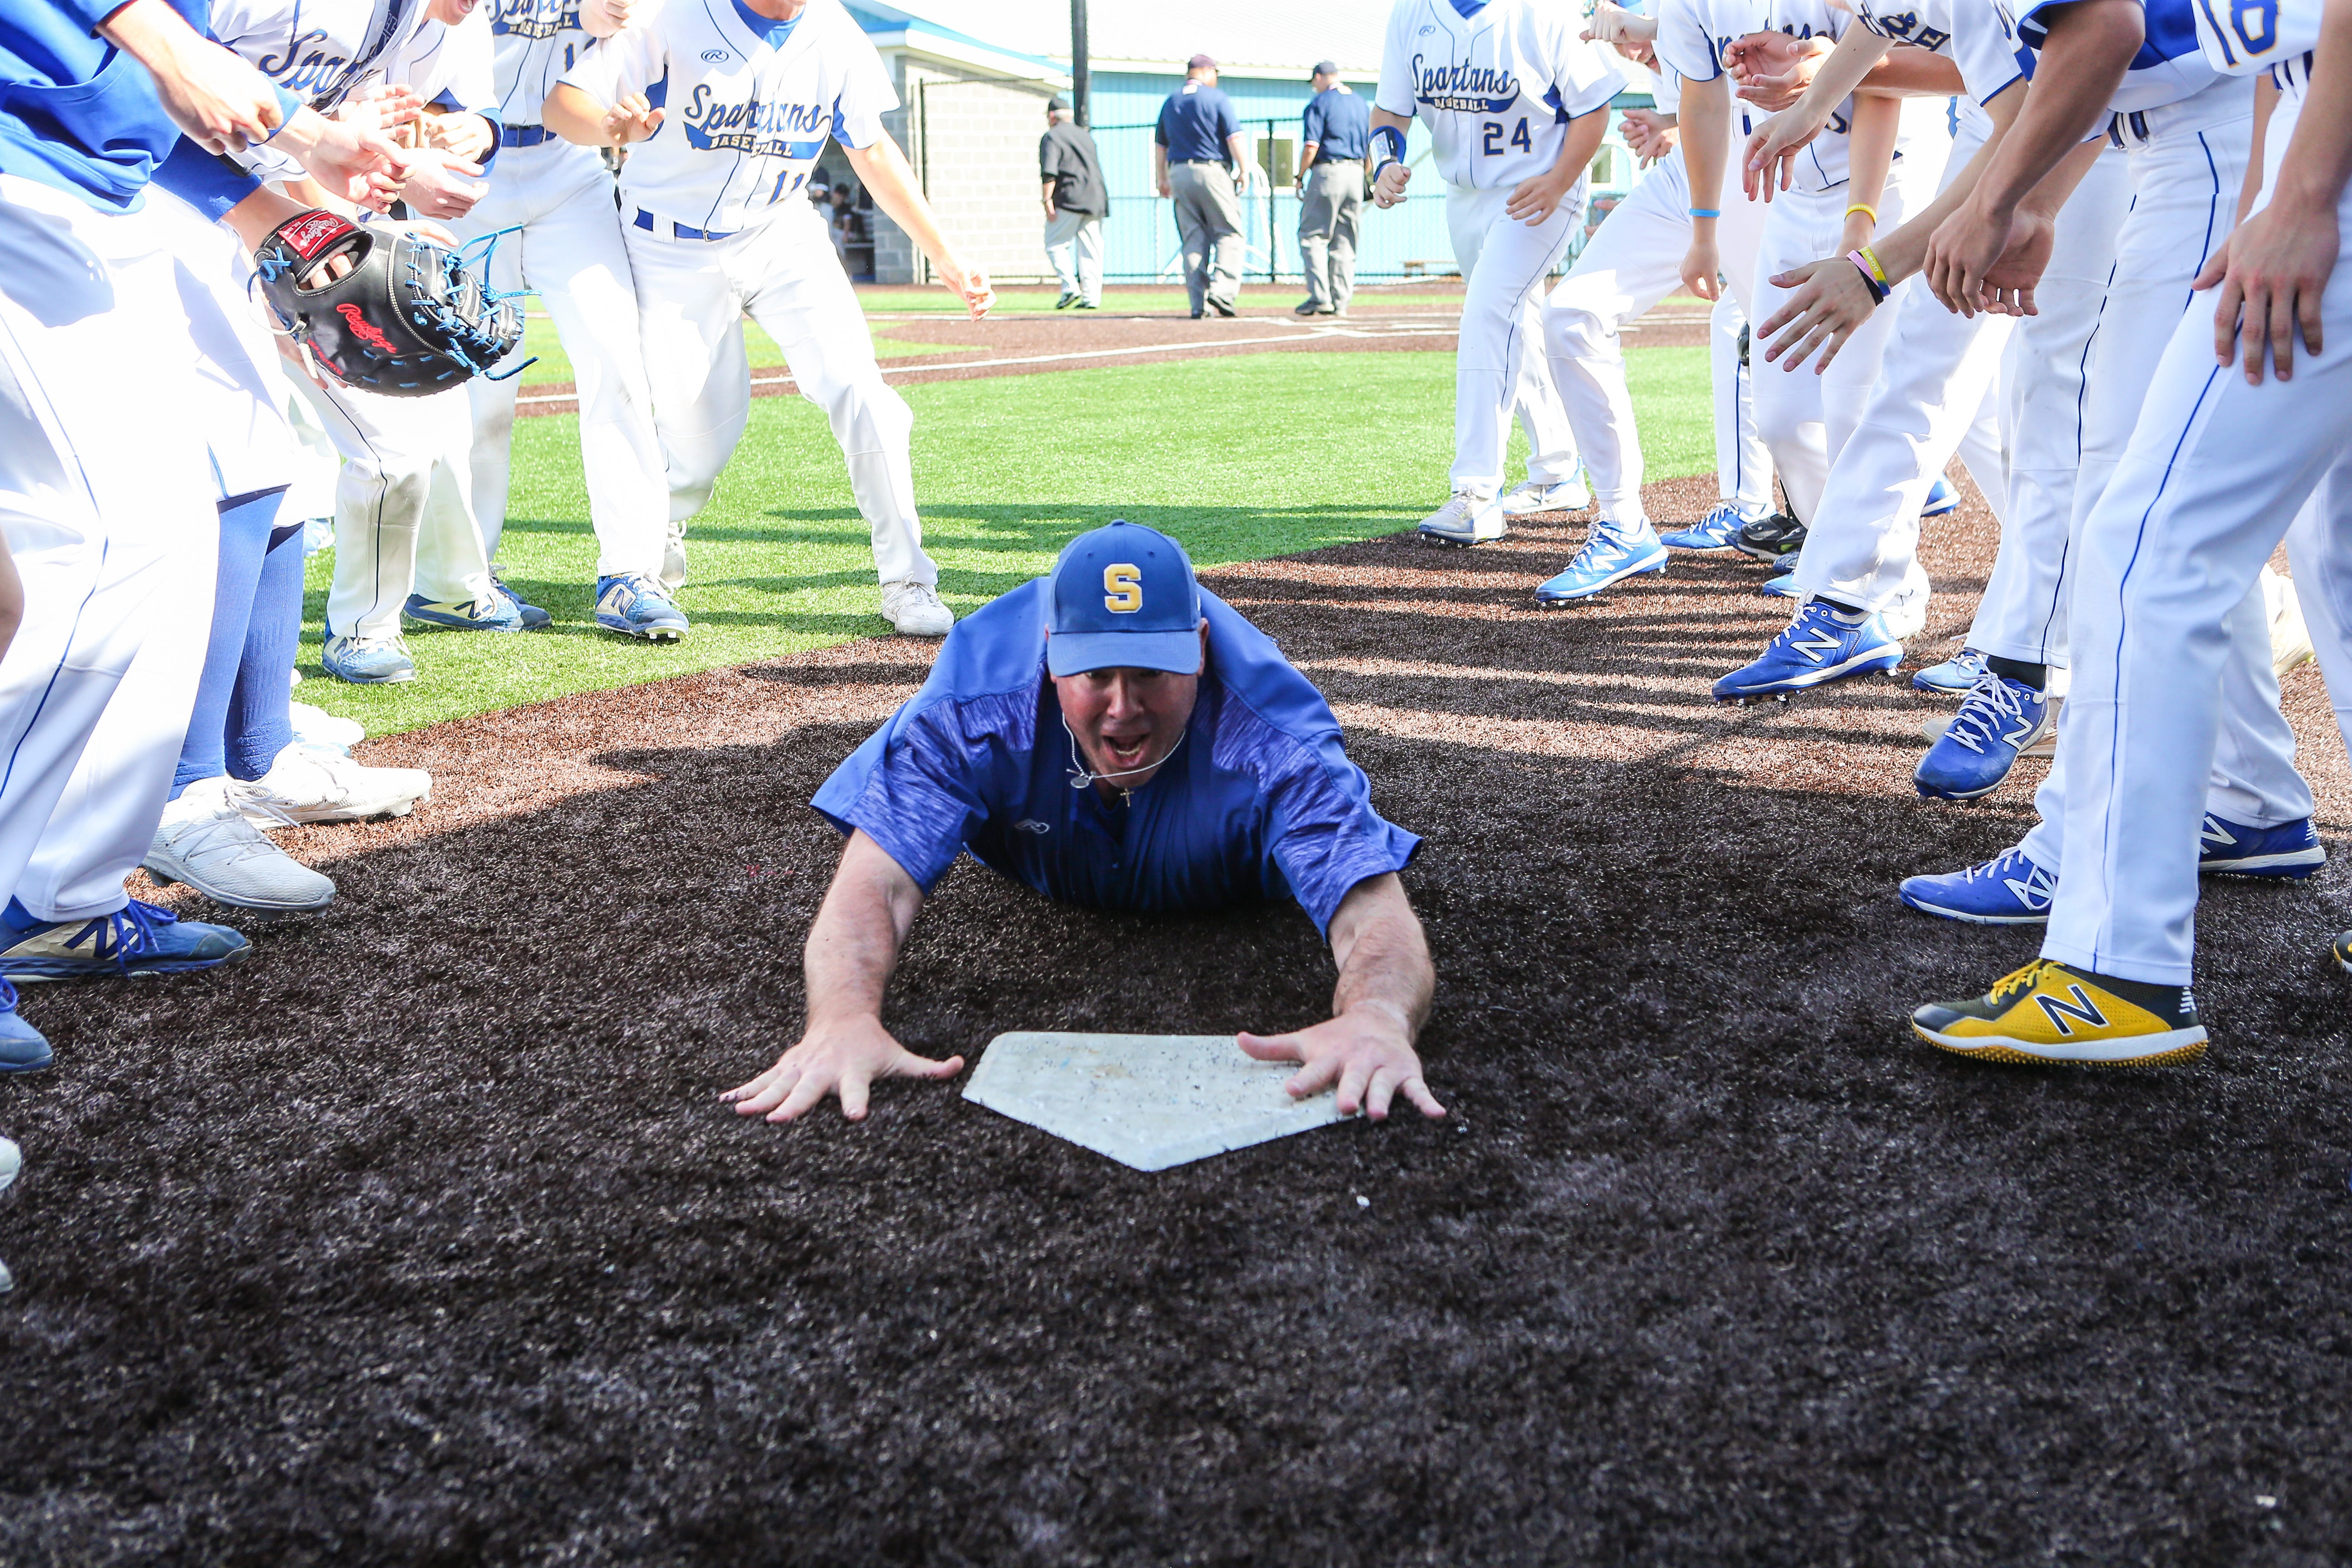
1241 457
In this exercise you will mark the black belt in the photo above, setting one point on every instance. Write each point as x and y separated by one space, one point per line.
1212 163
524 135
1321 161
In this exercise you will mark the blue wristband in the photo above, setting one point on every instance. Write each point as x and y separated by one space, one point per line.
1706 211
1388 147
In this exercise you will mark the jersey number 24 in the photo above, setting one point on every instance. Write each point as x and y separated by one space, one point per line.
1492 144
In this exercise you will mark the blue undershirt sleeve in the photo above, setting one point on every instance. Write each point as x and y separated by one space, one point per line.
205 181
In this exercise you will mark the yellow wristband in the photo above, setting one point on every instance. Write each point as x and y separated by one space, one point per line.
1862 208
1876 271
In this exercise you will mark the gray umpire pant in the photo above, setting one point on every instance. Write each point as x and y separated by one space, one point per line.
1209 216
1330 206
1074 248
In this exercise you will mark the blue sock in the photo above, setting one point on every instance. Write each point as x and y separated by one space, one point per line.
245 522
258 727
18 919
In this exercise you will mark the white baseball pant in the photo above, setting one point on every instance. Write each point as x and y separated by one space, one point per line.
1805 417
103 825
2043 381
1634 260
2186 175
1498 363
1937 394
570 253
2166 565
106 499
692 296
403 513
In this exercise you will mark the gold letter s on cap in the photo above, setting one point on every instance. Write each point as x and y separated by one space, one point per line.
1122 590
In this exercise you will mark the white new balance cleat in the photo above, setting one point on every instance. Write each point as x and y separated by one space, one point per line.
1465 520
317 726
914 610
673 566
206 842
315 783
1535 496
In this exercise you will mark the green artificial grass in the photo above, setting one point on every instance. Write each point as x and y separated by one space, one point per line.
555 366
1240 458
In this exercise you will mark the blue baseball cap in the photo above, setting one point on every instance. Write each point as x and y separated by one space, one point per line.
1123 597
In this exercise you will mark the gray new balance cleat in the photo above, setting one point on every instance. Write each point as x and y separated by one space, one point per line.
914 609
206 842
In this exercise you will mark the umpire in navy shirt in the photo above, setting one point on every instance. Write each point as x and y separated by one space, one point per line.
1195 154
1336 136
1116 736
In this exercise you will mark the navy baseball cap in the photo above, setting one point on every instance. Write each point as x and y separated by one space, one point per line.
1123 597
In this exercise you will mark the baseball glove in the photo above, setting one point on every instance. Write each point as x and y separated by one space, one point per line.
408 320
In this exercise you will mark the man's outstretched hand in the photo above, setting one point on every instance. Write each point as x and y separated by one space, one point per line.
1366 1051
841 1058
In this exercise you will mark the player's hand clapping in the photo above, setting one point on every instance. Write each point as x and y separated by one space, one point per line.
1651 135
1771 70
632 120
2273 274
218 100
1962 254
1777 142
434 185
355 162
464 137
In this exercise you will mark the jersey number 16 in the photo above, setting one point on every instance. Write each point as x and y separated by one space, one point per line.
1492 144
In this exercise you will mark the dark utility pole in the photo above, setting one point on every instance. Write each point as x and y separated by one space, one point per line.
1078 71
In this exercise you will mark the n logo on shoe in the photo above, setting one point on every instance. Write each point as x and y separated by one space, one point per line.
1814 644
2081 1009
2033 893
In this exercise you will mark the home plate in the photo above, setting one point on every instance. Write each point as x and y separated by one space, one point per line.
1148 1101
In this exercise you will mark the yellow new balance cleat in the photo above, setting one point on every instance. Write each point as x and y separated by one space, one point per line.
2343 951
2048 1013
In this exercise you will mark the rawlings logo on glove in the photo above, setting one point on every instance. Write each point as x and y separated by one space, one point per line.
399 314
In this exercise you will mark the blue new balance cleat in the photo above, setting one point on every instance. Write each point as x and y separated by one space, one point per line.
530 615
1941 498
634 605
136 939
1716 531
2002 718
1611 553
2291 849
2009 889
1955 676
21 1048
1820 645
493 611
368 661
1784 587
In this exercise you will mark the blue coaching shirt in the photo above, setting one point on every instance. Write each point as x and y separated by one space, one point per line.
1340 124
81 116
1194 124
1258 802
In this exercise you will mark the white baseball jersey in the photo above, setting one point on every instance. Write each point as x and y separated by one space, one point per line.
323 49
1973 34
744 117
1693 35
2168 66
537 41
1496 87
2243 36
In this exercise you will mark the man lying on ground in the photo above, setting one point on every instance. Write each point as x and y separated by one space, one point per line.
1194 769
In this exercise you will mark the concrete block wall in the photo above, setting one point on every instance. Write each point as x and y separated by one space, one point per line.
975 142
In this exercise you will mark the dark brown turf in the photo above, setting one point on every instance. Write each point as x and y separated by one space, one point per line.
420 1239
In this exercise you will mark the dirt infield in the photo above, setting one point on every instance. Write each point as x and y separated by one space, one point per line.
1028 343
420 1239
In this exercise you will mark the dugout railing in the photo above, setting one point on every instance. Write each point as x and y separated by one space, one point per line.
1141 245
